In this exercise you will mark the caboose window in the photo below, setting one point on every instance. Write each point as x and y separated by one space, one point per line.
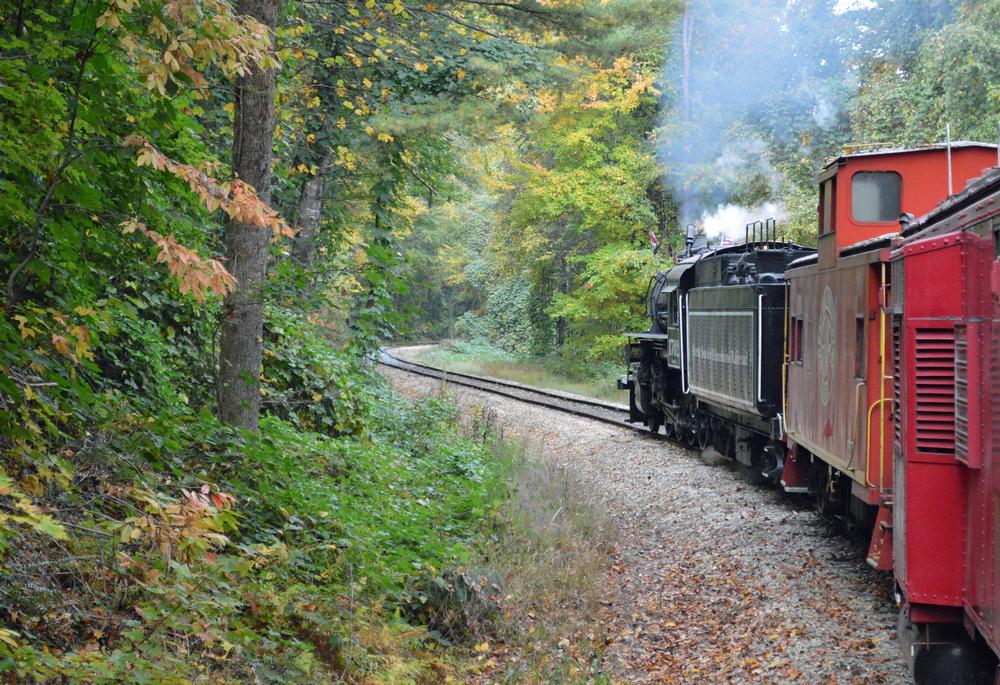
795 340
875 196
827 201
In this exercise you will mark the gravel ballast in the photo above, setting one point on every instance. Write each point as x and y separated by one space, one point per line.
716 580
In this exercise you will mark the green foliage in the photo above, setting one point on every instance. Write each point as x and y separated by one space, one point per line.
952 77
610 301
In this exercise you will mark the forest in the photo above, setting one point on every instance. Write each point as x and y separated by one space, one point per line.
214 213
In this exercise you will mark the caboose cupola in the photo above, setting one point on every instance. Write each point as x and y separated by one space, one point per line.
862 194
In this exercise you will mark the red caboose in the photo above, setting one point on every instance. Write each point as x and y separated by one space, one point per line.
839 392
946 350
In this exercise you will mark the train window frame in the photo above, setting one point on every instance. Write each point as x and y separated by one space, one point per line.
791 338
891 217
828 206
795 328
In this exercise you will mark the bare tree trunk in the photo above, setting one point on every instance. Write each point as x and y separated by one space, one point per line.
246 244
310 206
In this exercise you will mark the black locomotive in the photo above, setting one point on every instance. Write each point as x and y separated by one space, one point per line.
709 368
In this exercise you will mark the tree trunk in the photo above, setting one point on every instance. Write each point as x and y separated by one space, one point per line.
247 244
310 207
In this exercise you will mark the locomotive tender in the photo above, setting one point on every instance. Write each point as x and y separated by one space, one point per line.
863 374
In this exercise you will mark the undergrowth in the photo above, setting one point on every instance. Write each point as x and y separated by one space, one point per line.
554 549
141 541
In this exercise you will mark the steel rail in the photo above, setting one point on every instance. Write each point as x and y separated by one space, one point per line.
606 412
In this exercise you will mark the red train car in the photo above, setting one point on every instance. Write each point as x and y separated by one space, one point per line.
946 504
860 381
838 420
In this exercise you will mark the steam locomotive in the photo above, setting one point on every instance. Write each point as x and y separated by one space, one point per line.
863 374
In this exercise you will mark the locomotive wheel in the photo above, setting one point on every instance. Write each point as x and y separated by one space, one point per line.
653 422
701 438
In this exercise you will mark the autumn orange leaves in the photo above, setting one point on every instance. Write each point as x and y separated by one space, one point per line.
195 274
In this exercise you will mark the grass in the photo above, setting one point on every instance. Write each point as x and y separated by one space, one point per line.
483 360
552 549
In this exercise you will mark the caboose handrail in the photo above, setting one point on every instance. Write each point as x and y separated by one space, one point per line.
882 400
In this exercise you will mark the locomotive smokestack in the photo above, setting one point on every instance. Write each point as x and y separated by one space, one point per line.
689 239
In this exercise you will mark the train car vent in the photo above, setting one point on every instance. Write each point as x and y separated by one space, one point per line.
897 393
961 392
934 377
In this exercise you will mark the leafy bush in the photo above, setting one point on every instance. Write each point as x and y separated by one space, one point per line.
142 541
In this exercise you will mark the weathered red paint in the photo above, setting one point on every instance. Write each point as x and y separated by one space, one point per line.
947 461
880 548
924 175
841 396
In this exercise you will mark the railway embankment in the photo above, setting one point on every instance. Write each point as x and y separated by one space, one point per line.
710 579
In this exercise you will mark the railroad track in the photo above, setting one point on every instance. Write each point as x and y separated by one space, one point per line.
606 412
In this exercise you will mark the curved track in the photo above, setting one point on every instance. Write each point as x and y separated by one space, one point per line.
606 412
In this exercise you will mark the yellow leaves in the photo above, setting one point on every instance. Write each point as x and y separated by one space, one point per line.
313 102
8 636
482 647
311 138
26 330
131 226
187 528
345 158
341 123
109 20
420 66
380 136
460 74
547 101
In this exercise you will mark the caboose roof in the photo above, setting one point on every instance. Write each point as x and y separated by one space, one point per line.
959 144
975 190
